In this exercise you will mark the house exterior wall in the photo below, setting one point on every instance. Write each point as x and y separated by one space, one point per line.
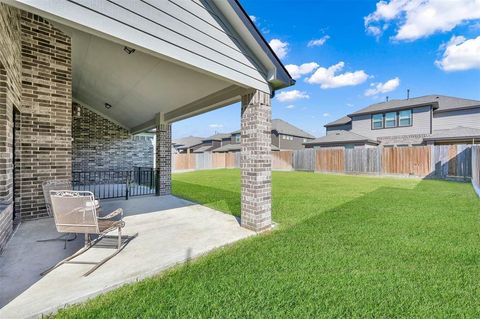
275 138
449 120
10 96
362 124
295 144
44 131
336 128
102 145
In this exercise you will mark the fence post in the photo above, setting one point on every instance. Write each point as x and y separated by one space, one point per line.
157 182
127 185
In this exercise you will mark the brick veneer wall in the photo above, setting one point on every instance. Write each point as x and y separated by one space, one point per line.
10 93
102 145
255 161
45 120
164 156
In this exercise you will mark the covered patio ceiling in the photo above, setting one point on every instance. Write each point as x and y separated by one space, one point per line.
138 86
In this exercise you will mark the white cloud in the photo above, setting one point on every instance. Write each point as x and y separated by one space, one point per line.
290 106
420 18
326 114
318 42
460 54
279 47
297 71
350 105
215 125
379 88
328 79
293 95
253 18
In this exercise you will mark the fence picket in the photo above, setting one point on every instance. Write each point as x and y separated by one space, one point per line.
440 161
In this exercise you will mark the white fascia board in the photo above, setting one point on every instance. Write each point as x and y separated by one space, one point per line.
278 76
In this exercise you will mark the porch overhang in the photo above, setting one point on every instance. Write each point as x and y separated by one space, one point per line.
131 62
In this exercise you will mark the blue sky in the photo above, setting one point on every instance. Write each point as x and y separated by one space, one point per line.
364 51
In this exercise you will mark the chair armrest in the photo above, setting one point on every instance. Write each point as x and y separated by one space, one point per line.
115 213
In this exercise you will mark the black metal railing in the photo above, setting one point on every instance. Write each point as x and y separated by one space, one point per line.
116 184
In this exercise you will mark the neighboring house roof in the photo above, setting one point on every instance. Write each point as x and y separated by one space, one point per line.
283 127
341 121
341 137
458 133
217 137
187 142
441 103
236 147
203 149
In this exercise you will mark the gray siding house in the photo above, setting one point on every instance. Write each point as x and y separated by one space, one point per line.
284 136
431 119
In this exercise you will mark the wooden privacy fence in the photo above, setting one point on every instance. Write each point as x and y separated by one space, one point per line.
453 161
282 160
330 160
414 161
439 161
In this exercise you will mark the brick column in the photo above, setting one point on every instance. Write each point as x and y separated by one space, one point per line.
163 156
255 161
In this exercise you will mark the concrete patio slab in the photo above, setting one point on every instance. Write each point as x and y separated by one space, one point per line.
170 231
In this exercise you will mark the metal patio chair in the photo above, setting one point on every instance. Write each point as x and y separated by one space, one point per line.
76 212
47 186
59 184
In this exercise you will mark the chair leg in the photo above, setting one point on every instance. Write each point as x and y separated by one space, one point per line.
103 261
119 238
65 238
86 239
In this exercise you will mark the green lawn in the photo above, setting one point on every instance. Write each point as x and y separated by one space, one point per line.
345 246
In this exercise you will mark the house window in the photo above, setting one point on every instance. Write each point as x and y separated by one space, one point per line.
390 119
237 138
377 121
405 118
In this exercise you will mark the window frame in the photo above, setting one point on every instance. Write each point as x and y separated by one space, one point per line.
383 121
395 117
397 120
411 118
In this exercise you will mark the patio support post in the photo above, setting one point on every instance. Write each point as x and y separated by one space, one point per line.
255 161
163 158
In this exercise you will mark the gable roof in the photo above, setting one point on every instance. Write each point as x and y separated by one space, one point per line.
341 121
187 142
217 137
457 133
440 103
341 137
283 127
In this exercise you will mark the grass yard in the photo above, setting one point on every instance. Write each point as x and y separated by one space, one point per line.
345 246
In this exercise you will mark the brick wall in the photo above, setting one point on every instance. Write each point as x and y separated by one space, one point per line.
164 156
45 121
256 161
100 144
10 93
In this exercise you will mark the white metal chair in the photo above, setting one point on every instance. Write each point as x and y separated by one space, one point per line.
76 212
47 186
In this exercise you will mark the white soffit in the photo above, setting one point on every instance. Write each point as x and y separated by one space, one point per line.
137 85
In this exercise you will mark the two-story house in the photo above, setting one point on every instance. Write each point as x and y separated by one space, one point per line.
431 119
187 144
285 136
213 142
